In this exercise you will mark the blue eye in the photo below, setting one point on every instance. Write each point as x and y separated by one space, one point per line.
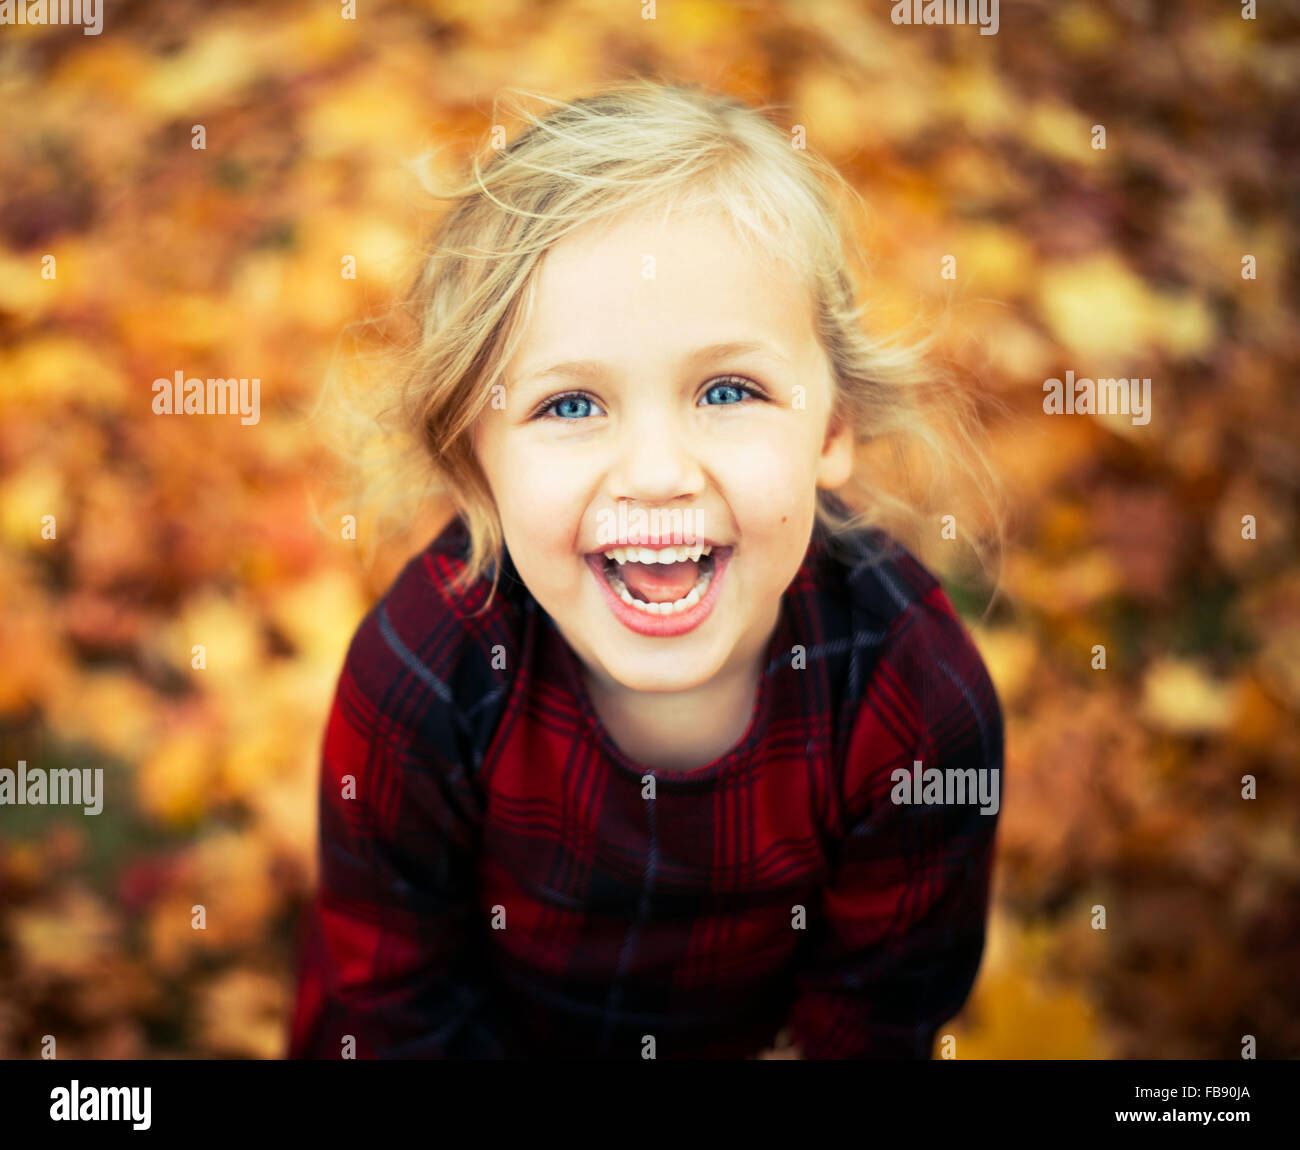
574 406
732 387
564 406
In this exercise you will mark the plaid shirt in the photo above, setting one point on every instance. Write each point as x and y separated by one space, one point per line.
497 881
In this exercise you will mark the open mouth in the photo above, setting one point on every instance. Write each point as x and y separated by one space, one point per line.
664 581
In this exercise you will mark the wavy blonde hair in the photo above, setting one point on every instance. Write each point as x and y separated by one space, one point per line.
636 144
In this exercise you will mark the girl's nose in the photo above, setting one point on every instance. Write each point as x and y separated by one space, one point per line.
656 463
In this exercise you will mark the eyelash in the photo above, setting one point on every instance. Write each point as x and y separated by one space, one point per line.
738 382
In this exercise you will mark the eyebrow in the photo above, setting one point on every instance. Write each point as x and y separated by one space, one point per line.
588 369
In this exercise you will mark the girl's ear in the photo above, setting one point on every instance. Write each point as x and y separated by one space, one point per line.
836 462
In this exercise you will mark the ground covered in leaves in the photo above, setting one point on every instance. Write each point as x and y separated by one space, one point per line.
1123 786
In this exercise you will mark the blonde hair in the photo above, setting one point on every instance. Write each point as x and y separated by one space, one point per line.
636 144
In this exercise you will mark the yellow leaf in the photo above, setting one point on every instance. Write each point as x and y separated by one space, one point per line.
1108 316
68 937
242 1015
52 368
1011 657
174 783
1179 696
1097 307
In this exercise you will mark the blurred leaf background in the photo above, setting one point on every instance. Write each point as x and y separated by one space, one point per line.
1123 786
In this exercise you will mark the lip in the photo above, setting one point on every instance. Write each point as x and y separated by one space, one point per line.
661 626
653 542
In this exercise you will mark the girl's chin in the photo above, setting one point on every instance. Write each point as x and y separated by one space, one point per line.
655 673
635 685
635 663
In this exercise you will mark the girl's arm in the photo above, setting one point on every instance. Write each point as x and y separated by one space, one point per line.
388 967
902 920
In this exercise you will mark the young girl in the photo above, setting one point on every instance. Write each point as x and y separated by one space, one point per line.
622 765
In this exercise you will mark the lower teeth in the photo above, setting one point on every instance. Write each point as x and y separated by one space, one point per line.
684 604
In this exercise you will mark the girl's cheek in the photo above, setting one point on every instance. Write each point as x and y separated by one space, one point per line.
773 479
539 497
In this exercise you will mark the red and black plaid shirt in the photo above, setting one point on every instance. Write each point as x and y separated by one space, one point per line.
494 881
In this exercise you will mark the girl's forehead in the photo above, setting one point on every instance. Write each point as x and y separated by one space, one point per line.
695 263
701 231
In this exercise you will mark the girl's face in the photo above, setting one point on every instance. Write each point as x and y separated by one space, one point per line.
614 398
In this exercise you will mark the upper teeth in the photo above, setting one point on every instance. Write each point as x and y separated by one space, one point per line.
660 555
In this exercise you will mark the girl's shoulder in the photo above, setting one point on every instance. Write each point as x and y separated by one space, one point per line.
868 570
903 664
891 614
872 574
427 653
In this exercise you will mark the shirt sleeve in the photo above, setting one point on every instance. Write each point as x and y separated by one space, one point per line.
901 928
389 949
